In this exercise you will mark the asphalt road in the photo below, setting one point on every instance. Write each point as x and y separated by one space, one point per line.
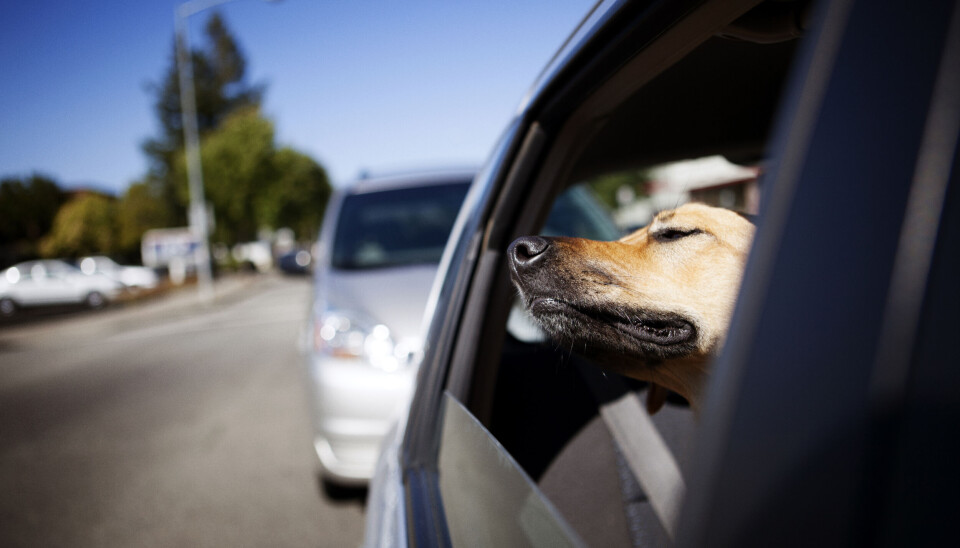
163 423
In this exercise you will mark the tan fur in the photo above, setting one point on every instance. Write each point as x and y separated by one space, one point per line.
682 270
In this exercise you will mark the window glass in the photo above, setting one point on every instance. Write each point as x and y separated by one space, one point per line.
487 498
396 227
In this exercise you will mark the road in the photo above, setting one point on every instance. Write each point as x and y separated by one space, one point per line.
164 423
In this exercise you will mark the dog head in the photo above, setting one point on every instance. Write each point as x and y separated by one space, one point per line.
654 305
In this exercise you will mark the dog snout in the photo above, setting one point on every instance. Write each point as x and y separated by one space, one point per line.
526 251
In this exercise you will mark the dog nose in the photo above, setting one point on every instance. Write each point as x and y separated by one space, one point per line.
526 250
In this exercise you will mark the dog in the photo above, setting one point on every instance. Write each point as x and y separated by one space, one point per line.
654 305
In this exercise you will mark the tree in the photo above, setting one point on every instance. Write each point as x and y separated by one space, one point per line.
141 208
252 185
236 161
606 187
27 209
86 225
220 87
298 196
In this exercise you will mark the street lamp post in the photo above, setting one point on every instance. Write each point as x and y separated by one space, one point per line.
197 213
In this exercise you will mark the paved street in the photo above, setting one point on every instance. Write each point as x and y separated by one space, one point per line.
162 423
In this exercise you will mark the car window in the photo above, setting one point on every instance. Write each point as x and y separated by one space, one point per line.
642 140
488 499
396 227
544 413
542 405
492 470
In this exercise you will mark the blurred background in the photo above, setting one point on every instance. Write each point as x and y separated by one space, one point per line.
322 92
131 411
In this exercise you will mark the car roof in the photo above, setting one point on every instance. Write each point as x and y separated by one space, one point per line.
409 180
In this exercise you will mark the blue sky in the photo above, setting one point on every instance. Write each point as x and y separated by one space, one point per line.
372 85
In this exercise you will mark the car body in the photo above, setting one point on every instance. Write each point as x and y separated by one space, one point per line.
134 277
377 255
831 411
52 282
296 262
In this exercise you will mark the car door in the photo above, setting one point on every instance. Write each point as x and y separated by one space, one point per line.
43 283
538 406
777 458
65 283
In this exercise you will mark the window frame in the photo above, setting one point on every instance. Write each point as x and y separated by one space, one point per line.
512 196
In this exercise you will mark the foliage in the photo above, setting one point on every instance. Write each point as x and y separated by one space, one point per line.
236 165
141 208
219 70
252 185
27 209
249 182
606 187
85 225
298 194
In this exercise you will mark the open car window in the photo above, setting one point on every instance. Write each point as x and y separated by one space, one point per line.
486 492
841 201
544 404
543 420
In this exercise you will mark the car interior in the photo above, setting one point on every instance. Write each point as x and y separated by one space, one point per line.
698 90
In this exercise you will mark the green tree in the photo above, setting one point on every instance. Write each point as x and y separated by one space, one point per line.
252 185
27 209
605 187
140 208
236 161
297 197
86 225
220 87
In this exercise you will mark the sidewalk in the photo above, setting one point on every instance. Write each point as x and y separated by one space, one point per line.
147 307
225 287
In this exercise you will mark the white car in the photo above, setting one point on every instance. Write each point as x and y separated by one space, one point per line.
52 282
138 277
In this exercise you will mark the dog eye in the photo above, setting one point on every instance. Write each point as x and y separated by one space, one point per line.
671 234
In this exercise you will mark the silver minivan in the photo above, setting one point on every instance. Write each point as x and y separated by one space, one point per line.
377 256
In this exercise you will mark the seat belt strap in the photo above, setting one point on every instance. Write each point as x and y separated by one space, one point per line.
647 456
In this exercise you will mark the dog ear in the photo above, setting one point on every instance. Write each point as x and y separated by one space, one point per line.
656 397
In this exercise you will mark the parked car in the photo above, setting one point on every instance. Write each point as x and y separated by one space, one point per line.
377 255
830 414
52 282
296 261
135 277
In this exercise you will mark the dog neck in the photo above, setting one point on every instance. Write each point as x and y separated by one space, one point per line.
684 376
